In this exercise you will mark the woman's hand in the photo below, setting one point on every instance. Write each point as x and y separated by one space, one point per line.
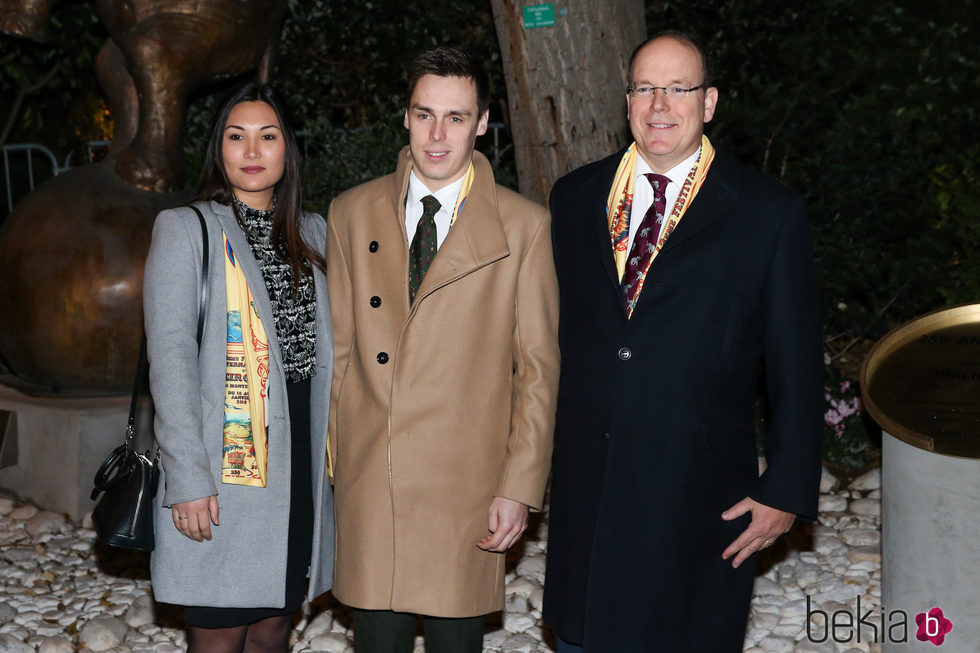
194 518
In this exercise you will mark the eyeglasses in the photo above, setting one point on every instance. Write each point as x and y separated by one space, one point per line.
670 92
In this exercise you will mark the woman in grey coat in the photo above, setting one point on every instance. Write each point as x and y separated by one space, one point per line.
241 418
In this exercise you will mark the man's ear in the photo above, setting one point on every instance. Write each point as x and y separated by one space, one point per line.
481 128
710 102
405 122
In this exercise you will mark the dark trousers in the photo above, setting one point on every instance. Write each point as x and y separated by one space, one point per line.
384 631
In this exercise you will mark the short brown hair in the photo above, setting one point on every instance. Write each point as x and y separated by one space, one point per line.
449 62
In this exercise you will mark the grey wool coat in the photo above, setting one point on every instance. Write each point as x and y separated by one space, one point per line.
244 565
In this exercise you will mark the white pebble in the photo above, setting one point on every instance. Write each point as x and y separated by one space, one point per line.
520 643
24 512
532 567
827 480
102 633
832 503
521 585
45 522
140 612
777 645
536 599
11 644
55 645
518 622
764 586
867 481
869 507
330 642
861 537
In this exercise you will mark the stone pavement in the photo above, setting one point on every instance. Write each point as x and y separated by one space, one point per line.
61 592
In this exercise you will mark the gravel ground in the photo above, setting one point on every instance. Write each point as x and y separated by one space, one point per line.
63 592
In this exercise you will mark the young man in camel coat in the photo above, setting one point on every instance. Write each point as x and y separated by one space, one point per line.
445 306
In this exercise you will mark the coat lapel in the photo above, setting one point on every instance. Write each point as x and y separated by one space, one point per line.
253 275
596 192
476 238
716 196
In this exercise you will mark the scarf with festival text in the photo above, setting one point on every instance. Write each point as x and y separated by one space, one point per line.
620 204
245 453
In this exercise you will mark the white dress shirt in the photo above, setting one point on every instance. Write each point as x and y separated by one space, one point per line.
643 192
447 196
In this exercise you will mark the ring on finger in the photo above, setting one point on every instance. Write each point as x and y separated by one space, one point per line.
182 517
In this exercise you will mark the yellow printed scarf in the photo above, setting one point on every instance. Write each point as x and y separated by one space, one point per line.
620 203
245 454
464 192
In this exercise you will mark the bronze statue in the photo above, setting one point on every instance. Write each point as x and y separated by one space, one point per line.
72 252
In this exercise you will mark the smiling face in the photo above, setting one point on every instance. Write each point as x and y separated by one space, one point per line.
443 121
254 152
669 131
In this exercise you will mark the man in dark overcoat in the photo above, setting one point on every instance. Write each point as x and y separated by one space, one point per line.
686 284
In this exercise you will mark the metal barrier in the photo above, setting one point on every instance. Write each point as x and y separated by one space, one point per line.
30 149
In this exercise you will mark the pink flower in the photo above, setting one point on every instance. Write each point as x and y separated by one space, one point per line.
933 626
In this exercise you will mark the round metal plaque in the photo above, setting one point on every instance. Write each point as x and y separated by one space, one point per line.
921 382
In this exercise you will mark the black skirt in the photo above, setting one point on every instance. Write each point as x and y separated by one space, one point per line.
300 537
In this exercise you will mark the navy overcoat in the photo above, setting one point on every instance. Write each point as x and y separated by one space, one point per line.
655 432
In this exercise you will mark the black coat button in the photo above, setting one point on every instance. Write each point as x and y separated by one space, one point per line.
373 247
375 301
383 358
624 354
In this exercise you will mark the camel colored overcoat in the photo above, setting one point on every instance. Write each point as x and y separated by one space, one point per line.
438 406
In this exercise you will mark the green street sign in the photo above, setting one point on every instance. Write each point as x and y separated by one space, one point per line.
539 16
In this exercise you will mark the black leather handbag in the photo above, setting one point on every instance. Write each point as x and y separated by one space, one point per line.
128 479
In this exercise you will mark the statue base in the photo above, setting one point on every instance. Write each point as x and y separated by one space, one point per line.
50 448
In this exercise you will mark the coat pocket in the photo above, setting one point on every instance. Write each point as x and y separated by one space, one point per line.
735 443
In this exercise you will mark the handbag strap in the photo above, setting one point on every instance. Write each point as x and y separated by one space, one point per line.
201 310
204 277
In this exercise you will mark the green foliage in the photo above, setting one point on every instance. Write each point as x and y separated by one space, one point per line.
69 109
347 62
956 193
342 68
347 156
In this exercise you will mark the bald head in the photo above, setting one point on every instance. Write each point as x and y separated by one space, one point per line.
680 37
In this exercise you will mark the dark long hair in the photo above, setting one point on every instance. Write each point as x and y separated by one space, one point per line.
286 238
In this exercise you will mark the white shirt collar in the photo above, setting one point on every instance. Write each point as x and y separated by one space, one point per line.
447 195
677 174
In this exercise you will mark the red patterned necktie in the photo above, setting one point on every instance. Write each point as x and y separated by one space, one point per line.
424 245
645 241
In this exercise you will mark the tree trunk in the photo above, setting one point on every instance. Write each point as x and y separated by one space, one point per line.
566 84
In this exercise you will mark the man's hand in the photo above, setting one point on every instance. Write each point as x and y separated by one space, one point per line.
508 519
767 524
194 518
